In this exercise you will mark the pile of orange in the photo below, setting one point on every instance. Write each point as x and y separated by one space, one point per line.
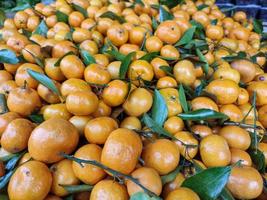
147 99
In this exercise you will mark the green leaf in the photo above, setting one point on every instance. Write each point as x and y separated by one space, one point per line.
36 118
226 195
214 22
87 57
209 183
62 17
125 65
164 14
71 189
8 56
155 127
5 179
149 56
167 70
203 59
258 159
42 29
187 36
171 176
139 2
170 4
182 98
44 80
2 17
143 45
202 114
70 197
199 89
59 60
27 33
116 54
238 56
257 26
3 105
37 60
11 164
143 196
159 108
5 155
20 7
202 6
113 16
80 9
154 23
4 197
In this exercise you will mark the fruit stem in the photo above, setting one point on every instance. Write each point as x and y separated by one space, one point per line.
115 173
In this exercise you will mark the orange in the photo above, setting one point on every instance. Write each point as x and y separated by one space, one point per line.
82 103
98 129
201 130
260 88
56 110
237 155
232 111
263 147
246 69
62 48
153 44
168 32
5 119
102 110
166 82
16 135
117 34
87 173
96 74
162 155
182 194
131 123
75 19
157 63
174 124
72 67
122 150
74 85
62 174
52 137
173 185
109 189
5 76
28 176
80 122
204 103
23 101
148 177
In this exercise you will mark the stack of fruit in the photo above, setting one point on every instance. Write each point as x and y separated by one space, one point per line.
140 100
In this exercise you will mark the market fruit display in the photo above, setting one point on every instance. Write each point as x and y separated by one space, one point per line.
138 100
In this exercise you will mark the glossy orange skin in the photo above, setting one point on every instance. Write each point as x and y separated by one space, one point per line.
62 174
21 19
221 87
16 135
31 51
32 174
122 150
232 111
201 130
140 69
88 174
75 19
148 177
114 69
227 73
182 193
153 44
204 103
174 124
103 110
168 32
261 91
243 97
53 71
82 103
7 87
51 138
48 95
96 74
63 47
115 93
98 129
80 122
166 82
107 190
127 48
201 17
23 101
171 97
184 72
118 35
157 63
137 35
169 51
163 155
22 75
214 151
74 85
56 110
246 69
72 67
5 76
214 32
5 119
131 123
238 154
245 183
